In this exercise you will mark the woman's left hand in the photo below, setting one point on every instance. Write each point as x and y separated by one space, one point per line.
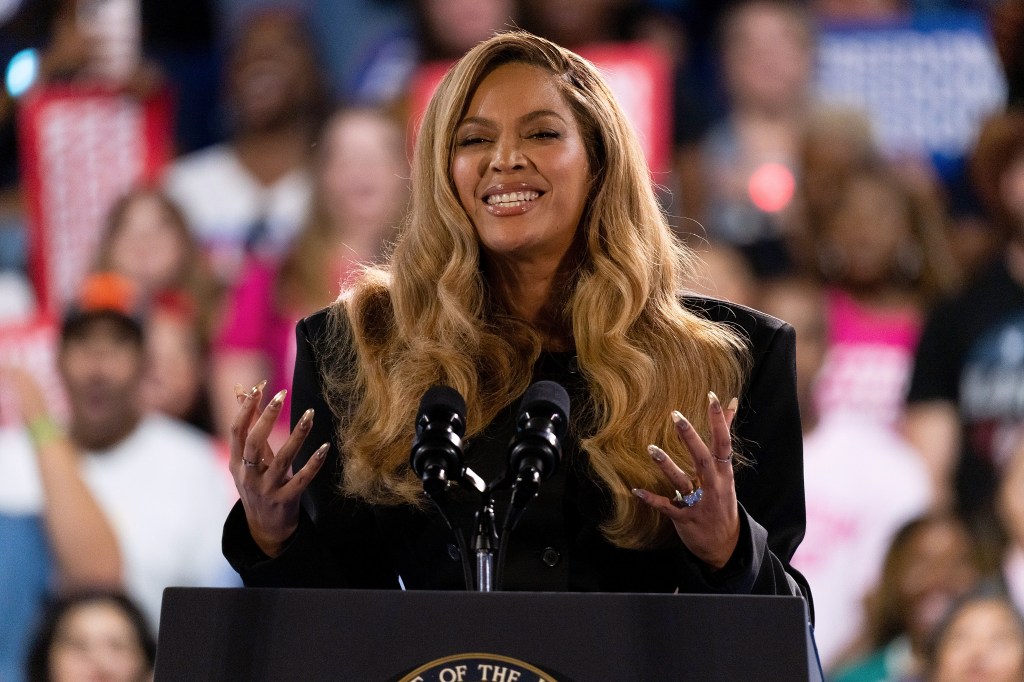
704 512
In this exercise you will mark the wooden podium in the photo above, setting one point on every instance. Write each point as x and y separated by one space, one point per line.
391 636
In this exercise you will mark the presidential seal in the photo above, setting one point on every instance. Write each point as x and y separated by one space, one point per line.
477 668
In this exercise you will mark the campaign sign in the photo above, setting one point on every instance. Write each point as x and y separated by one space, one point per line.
926 81
31 346
81 149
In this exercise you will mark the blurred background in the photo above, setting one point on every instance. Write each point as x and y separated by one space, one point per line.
855 167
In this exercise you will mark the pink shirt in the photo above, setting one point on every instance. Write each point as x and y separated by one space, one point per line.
869 359
253 322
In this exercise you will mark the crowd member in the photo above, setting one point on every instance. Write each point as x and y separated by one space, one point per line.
849 527
931 563
253 190
837 142
535 247
178 361
742 173
148 241
963 412
450 28
982 638
360 193
1010 510
881 249
166 526
55 536
580 23
92 636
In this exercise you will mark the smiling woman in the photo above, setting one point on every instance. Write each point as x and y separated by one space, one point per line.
534 249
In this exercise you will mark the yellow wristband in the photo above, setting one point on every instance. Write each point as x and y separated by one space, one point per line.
43 431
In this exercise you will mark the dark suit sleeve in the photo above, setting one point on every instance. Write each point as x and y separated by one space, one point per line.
336 543
770 488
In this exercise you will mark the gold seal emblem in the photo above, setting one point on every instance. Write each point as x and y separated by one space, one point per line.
477 668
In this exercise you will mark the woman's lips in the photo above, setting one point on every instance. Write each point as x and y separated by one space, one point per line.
511 199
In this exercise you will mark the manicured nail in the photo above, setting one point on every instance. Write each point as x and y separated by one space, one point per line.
733 404
716 405
322 450
257 388
656 453
680 421
640 493
278 399
306 419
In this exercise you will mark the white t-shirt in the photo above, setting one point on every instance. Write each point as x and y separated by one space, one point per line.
166 494
862 482
223 201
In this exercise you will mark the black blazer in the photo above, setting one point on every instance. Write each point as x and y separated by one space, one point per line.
557 546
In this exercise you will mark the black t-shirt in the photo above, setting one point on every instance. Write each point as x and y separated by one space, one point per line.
971 353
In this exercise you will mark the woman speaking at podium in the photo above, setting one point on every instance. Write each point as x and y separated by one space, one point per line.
534 249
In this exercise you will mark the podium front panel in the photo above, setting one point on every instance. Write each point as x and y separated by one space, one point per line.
370 636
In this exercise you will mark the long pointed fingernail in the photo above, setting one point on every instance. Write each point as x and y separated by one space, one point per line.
278 398
716 404
656 453
733 404
257 388
642 494
306 419
680 421
322 450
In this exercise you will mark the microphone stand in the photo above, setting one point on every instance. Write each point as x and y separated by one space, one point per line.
485 541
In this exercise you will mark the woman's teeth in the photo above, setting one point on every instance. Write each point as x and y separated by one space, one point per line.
511 199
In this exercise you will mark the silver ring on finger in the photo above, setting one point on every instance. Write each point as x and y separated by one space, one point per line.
724 460
251 462
688 500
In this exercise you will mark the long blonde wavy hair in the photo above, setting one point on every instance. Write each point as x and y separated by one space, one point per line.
429 316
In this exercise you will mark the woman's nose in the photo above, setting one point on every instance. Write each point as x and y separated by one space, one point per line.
508 155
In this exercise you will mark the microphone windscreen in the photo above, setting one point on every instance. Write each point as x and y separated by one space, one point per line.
546 395
446 398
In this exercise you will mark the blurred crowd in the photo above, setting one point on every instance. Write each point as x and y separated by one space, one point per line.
289 171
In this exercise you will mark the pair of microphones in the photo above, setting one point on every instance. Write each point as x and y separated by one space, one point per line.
534 453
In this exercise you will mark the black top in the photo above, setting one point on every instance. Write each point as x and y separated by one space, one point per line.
342 542
971 355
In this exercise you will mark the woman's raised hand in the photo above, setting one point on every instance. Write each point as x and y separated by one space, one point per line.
704 511
269 491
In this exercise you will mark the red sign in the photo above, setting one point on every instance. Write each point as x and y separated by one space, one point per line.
81 149
32 346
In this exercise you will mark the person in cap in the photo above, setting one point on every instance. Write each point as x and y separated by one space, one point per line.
157 479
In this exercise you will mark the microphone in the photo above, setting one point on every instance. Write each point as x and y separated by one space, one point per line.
536 447
436 454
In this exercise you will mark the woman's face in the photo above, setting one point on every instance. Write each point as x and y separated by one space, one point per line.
96 641
984 643
939 568
148 248
363 177
520 166
869 226
174 371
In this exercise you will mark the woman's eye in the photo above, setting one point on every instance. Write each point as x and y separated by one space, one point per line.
545 135
471 140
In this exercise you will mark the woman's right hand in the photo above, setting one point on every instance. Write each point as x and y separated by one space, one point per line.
270 492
